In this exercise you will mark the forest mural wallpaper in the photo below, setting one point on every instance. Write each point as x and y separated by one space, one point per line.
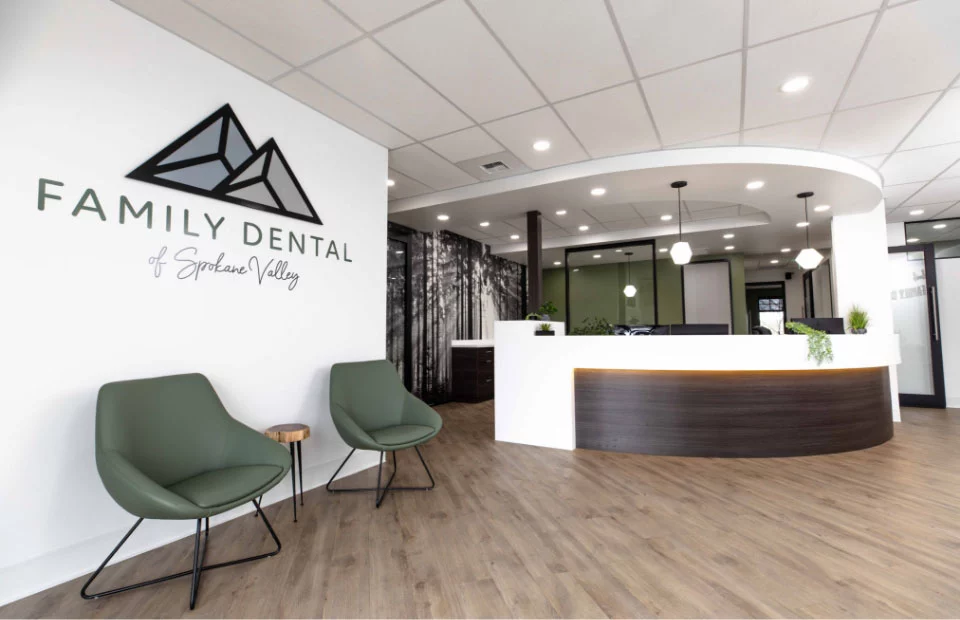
458 290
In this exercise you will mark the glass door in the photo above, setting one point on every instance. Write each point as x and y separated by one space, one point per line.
916 319
398 308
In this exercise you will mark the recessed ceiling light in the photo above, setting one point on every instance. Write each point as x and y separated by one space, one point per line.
514 237
598 191
912 240
556 262
755 184
939 226
596 256
577 269
562 212
443 218
729 247
618 250
729 236
917 212
584 227
821 208
795 85
663 250
666 218
391 182
784 250
802 224
541 145
775 261
484 224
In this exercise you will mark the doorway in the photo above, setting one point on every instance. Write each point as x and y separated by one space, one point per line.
766 307
399 304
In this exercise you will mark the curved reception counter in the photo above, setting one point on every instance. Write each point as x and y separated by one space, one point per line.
714 396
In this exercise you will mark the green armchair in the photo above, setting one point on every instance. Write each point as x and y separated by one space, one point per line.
167 449
373 411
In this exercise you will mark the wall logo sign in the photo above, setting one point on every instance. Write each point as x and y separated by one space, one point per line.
216 159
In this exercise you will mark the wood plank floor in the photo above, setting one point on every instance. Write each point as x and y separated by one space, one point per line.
520 531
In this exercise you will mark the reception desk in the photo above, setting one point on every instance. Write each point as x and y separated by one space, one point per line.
719 396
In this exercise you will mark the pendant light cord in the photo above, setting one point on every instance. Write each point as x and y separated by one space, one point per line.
679 217
806 217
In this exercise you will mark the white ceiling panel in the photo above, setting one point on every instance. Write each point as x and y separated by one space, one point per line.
307 90
663 34
422 164
652 210
567 48
448 47
874 161
894 195
930 211
518 133
207 33
875 129
370 77
520 223
631 224
772 19
826 56
803 134
372 14
952 211
612 213
499 229
919 164
404 186
296 30
610 122
730 139
941 190
941 125
466 144
914 50
678 98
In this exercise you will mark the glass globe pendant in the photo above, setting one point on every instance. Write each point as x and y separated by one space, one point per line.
629 290
681 252
808 258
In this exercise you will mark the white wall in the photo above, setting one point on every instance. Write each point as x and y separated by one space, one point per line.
948 292
793 287
861 274
88 91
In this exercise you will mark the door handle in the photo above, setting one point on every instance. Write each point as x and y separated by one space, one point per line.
936 313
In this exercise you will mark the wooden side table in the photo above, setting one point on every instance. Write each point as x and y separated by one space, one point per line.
292 434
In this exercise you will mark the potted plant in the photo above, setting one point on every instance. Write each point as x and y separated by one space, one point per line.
545 329
858 320
593 327
819 347
546 309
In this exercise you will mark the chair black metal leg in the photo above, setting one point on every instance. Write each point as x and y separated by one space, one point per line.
300 467
195 572
293 479
381 492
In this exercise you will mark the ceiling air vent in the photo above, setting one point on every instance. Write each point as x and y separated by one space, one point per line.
494 167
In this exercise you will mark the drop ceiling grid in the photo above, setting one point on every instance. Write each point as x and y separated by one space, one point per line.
747 16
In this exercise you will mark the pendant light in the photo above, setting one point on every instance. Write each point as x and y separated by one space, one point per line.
680 252
629 290
808 258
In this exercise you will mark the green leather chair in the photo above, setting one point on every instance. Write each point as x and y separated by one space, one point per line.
167 449
373 411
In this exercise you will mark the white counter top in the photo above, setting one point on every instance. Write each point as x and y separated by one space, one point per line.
534 375
477 344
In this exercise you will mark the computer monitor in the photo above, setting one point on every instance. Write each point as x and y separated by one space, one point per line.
700 329
829 325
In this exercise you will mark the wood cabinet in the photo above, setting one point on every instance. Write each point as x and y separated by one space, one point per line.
472 374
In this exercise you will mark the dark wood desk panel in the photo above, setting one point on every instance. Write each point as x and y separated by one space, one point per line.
732 413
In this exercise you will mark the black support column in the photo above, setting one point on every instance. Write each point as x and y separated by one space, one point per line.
534 261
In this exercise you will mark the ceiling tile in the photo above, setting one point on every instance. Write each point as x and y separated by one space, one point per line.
404 186
730 139
893 65
920 164
953 211
422 164
663 34
930 211
677 100
367 75
826 56
466 144
207 33
475 166
372 14
295 30
941 125
894 195
805 134
610 122
518 133
470 233
874 161
501 229
876 128
653 209
567 48
771 19
449 48
555 234
941 190
307 90
631 224
612 213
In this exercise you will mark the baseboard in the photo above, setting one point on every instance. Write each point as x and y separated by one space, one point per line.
38 574
953 403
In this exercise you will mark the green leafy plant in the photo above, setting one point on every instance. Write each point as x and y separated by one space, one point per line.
819 346
858 319
545 327
593 327
533 316
548 307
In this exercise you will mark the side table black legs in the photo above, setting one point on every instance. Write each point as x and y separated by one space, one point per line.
293 434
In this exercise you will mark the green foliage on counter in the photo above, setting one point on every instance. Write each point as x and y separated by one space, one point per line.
858 319
819 347
547 308
593 327
545 327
